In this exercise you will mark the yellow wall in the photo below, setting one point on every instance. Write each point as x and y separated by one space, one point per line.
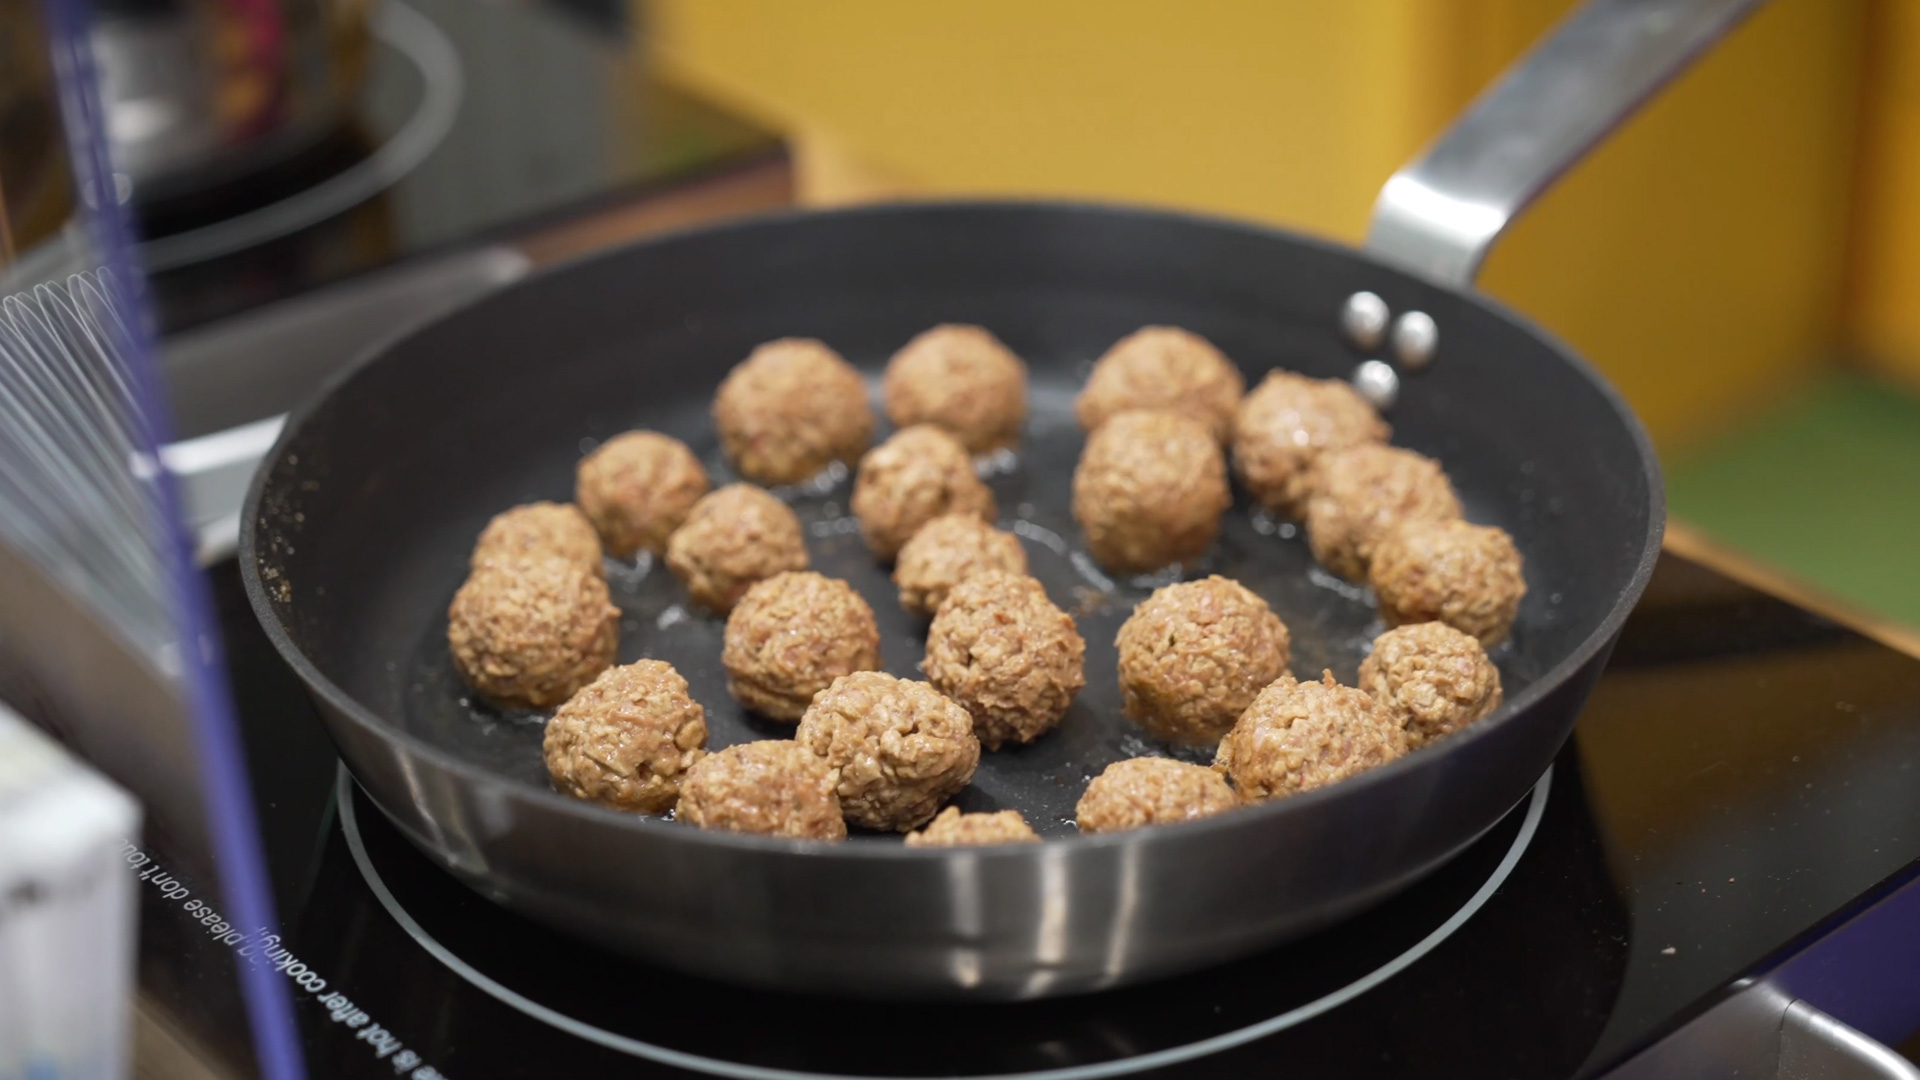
1884 309
1698 258
1283 112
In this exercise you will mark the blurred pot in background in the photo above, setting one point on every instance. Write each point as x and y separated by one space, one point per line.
36 188
200 92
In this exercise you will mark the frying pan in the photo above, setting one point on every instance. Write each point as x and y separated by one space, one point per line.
359 525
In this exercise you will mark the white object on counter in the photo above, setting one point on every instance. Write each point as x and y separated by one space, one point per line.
67 916
213 472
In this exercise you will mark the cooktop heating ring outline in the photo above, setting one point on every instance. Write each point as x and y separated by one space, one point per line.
349 825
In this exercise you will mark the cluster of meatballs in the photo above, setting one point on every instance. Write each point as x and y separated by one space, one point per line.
1205 662
1152 482
1201 662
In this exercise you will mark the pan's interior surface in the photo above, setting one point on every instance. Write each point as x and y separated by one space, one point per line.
371 505
1332 623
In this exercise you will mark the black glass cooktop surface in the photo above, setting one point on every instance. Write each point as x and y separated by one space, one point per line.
1743 776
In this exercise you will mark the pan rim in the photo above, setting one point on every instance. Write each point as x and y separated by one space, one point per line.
862 848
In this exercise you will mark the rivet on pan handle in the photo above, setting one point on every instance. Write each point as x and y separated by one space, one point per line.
1438 216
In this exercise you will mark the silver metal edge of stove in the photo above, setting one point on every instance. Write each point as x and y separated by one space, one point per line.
1787 1023
1761 1032
220 378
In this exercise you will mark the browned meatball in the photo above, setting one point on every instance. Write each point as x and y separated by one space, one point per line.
1285 424
542 528
733 538
790 636
791 409
1163 367
1194 655
1467 576
775 787
944 552
919 474
1151 791
1149 490
897 748
530 631
955 829
1009 657
637 488
1297 736
627 738
961 380
1362 493
1432 679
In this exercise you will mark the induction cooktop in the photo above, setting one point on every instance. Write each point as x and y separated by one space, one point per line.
1741 786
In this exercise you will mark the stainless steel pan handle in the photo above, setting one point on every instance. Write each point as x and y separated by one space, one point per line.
1438 216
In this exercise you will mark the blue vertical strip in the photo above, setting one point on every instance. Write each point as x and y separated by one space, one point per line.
226 790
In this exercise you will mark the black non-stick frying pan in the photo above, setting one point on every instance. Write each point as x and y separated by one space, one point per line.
358 529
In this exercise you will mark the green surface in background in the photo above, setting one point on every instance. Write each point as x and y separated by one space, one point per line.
1826 489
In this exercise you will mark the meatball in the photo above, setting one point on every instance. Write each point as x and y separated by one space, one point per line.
542 528
961 380
1432 679
1194 655
1286 424
955 829
627 738
733 538
790 636
791 409
1009 657
897 748
1467 576
1149 490
1163 367
919 474
637 488
1362 493
530 631
1151 791
774 787
1297 736
944 552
